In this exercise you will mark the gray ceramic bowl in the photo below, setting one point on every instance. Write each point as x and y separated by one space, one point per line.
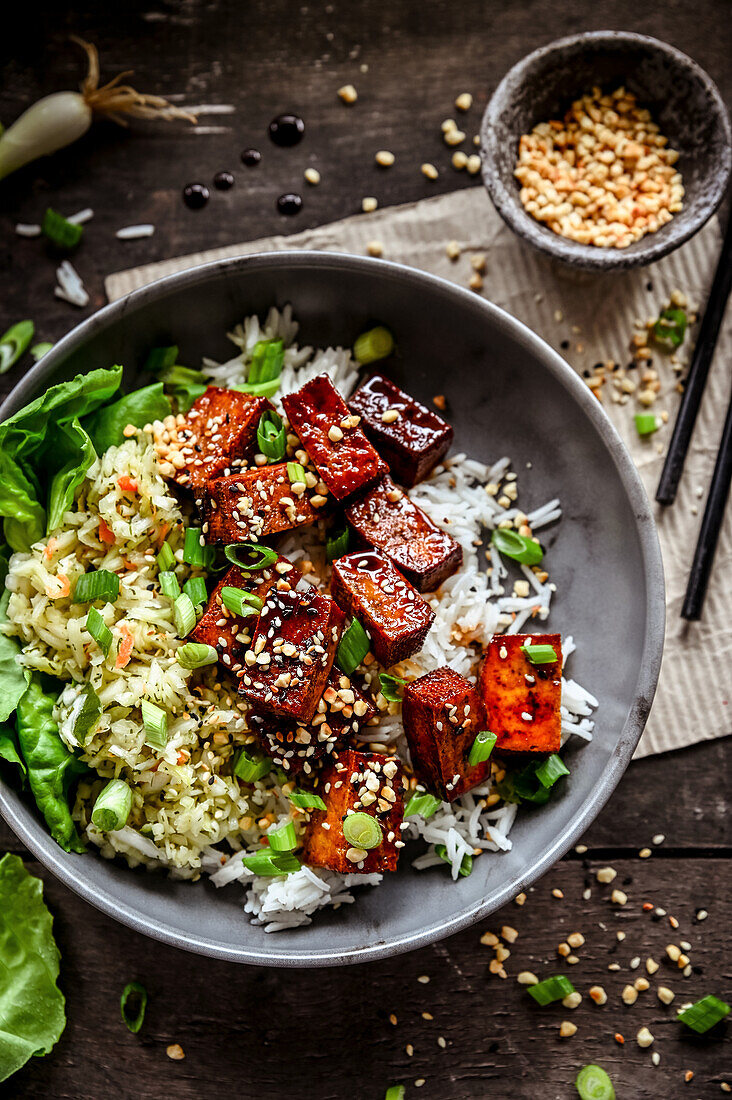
682 98
508 393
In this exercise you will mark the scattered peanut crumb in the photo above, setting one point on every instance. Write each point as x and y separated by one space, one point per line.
644 1038
369 204
478 262
464 101
665 994
619 897
430 171
606 874
375 248
474 163
527 978
312 175
348 93
439 402
176 1052
452 248
567 1029
557 893
598 994
384 158
520 899
476 282
645 853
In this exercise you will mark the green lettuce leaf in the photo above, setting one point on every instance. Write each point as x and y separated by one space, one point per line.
13 678
75 450
9 746
106 426
32 1007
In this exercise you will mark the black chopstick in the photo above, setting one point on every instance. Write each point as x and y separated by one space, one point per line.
697 376
701 567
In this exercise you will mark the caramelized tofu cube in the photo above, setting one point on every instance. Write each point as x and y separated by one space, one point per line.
442 714
253 505
523 700
408 435
344 458
387 519
390 609
229 634
219 435
293 647
357 782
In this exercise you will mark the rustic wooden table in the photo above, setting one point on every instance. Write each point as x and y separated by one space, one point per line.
326 1034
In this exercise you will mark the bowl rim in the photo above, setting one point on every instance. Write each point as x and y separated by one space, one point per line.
32 832
584 256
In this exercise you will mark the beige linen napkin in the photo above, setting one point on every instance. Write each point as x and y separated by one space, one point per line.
596 315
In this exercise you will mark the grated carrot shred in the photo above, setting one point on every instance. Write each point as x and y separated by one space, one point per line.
59 588
127 484
106 534
165 527
125 647
50 548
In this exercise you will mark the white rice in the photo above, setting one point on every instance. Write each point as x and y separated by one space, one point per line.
70 287
134 232
25 230
81 216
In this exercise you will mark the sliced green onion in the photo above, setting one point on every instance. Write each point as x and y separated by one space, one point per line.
373 345
306 800
268 357
424 805
540 654
551 989
184 614
593 1083
100 584
362 831
161 358
195 589
193 547
389 686
272 863
112 807
183 376
670 328
645 424
261 556
261 389
155 721
551 770
196 655
395 1092
169 584
86 711
283 839
352 648
482 747
337 545
39 350
271 436
703 1015
240 602
99 630
466 865
523 786
251 768
133 1014
295 473
519 547
60 232
165 557
14 342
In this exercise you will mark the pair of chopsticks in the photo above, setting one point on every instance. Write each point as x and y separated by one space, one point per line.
722 477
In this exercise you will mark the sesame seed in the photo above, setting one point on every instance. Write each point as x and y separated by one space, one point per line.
369 204
312 176
384 158
429 171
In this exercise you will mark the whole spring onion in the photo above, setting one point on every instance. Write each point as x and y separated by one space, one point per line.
39 350
283 839
161 358
271 436
133 1003
482 747
59 119
169 584
373 345
645 424
184 614
99 630
424 805
192 547
362 831
100 584
519 547
551 770
551 989
86 712
112 807
196 655
389 686
165 557
540 654
306 800
14 342
155 721
703 1015
195 589
240 602
352 648
65 235
272 863
296 473
670 328
251 768
466 865
337 544
593 1083
260 556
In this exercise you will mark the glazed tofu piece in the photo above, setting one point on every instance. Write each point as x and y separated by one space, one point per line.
342 710
229 634
385 517
408 435
442 714
286 669
253 505
219 435
342 454
522 699
366 584
356 782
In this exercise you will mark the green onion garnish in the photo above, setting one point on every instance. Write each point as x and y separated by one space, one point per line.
551 989
112 807
337 544
482 747
133 1014
183 376
38 350
519 547
272 863
670 328
261 389
155 721
305 800
523 786
395 1092
540 654
362 831
184 614
165 557
99 630
296 473
389 686
268 357
352 648
271 436
169 584
60 232
195 589
373 345
196 655
251 768
467 862
193 547
423 805
552 769
283 839
594 1084
161 358
240 602
100 584
261 556
14 342
645 424
86 715
703 1015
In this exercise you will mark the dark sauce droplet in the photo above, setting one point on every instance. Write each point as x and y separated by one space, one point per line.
223 181
251 157
286 130
289 203
195 195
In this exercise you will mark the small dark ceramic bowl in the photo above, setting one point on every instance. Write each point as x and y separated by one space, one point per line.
683 100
